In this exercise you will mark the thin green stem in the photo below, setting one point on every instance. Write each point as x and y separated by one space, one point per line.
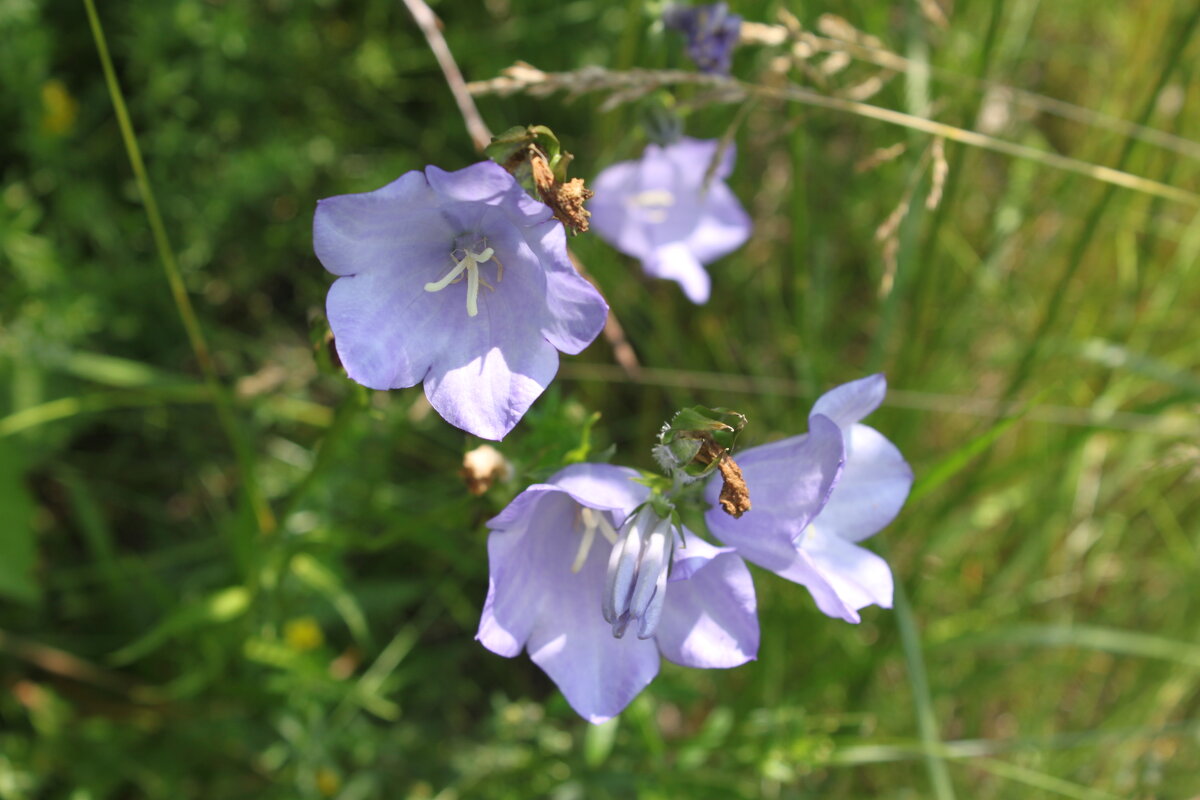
931 743
264 517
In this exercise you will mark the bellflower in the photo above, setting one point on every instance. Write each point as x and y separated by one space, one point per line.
576 568
658 210
711 31
816 495
460 280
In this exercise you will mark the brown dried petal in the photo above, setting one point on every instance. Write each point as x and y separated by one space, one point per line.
565 199
735 494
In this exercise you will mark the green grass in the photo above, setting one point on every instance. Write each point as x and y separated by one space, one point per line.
227 572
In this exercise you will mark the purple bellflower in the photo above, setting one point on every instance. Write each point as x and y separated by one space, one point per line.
815 495
711 31
658 210
577 562
458 279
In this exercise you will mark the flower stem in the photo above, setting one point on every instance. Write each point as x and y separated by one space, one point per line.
263 515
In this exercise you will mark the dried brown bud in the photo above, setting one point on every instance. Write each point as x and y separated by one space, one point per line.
482 467
735 495
565 199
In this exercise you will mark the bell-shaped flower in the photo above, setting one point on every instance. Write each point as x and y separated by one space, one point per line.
458 279
711 31
816 495
596 592
660 210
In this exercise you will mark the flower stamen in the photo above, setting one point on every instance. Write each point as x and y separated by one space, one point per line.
592 521
469 264
654 203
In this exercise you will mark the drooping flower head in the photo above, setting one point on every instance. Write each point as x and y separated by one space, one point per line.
595 585
460 280
816 495
659 210
711 31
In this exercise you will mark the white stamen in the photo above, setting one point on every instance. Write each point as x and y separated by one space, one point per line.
472 290
606 529
653 204
592 520
470 264
449 277
653 198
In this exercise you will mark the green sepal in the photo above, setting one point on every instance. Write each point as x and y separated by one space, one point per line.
511 150
681 438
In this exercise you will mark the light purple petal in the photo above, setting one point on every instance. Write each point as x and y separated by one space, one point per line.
676 262
859 577
597 673
536 601
575 311
602 486
789 483
378 230
484 182
519 553
489 369
386 327
657 209
723 227
709 620
850 402
482 372
615 186
691 554
486 395
873 487
803 570
693 157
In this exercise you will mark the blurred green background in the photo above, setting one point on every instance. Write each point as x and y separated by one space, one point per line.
282 604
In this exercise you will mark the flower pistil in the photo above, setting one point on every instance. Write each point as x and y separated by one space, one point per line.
636 581
469 263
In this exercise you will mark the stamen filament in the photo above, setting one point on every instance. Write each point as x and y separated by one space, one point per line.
469 263
448 278
473 288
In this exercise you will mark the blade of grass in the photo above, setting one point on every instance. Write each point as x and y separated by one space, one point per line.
1033 100
285 408
263 515
1039 780
1091 223
597 79
952 464
918 679
927 277
1089 637
67 407
855 755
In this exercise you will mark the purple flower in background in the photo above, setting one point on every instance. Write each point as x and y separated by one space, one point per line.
658 209
817 494
711 31
571 566
460 280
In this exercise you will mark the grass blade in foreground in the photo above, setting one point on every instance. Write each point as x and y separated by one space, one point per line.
919 680
245 456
